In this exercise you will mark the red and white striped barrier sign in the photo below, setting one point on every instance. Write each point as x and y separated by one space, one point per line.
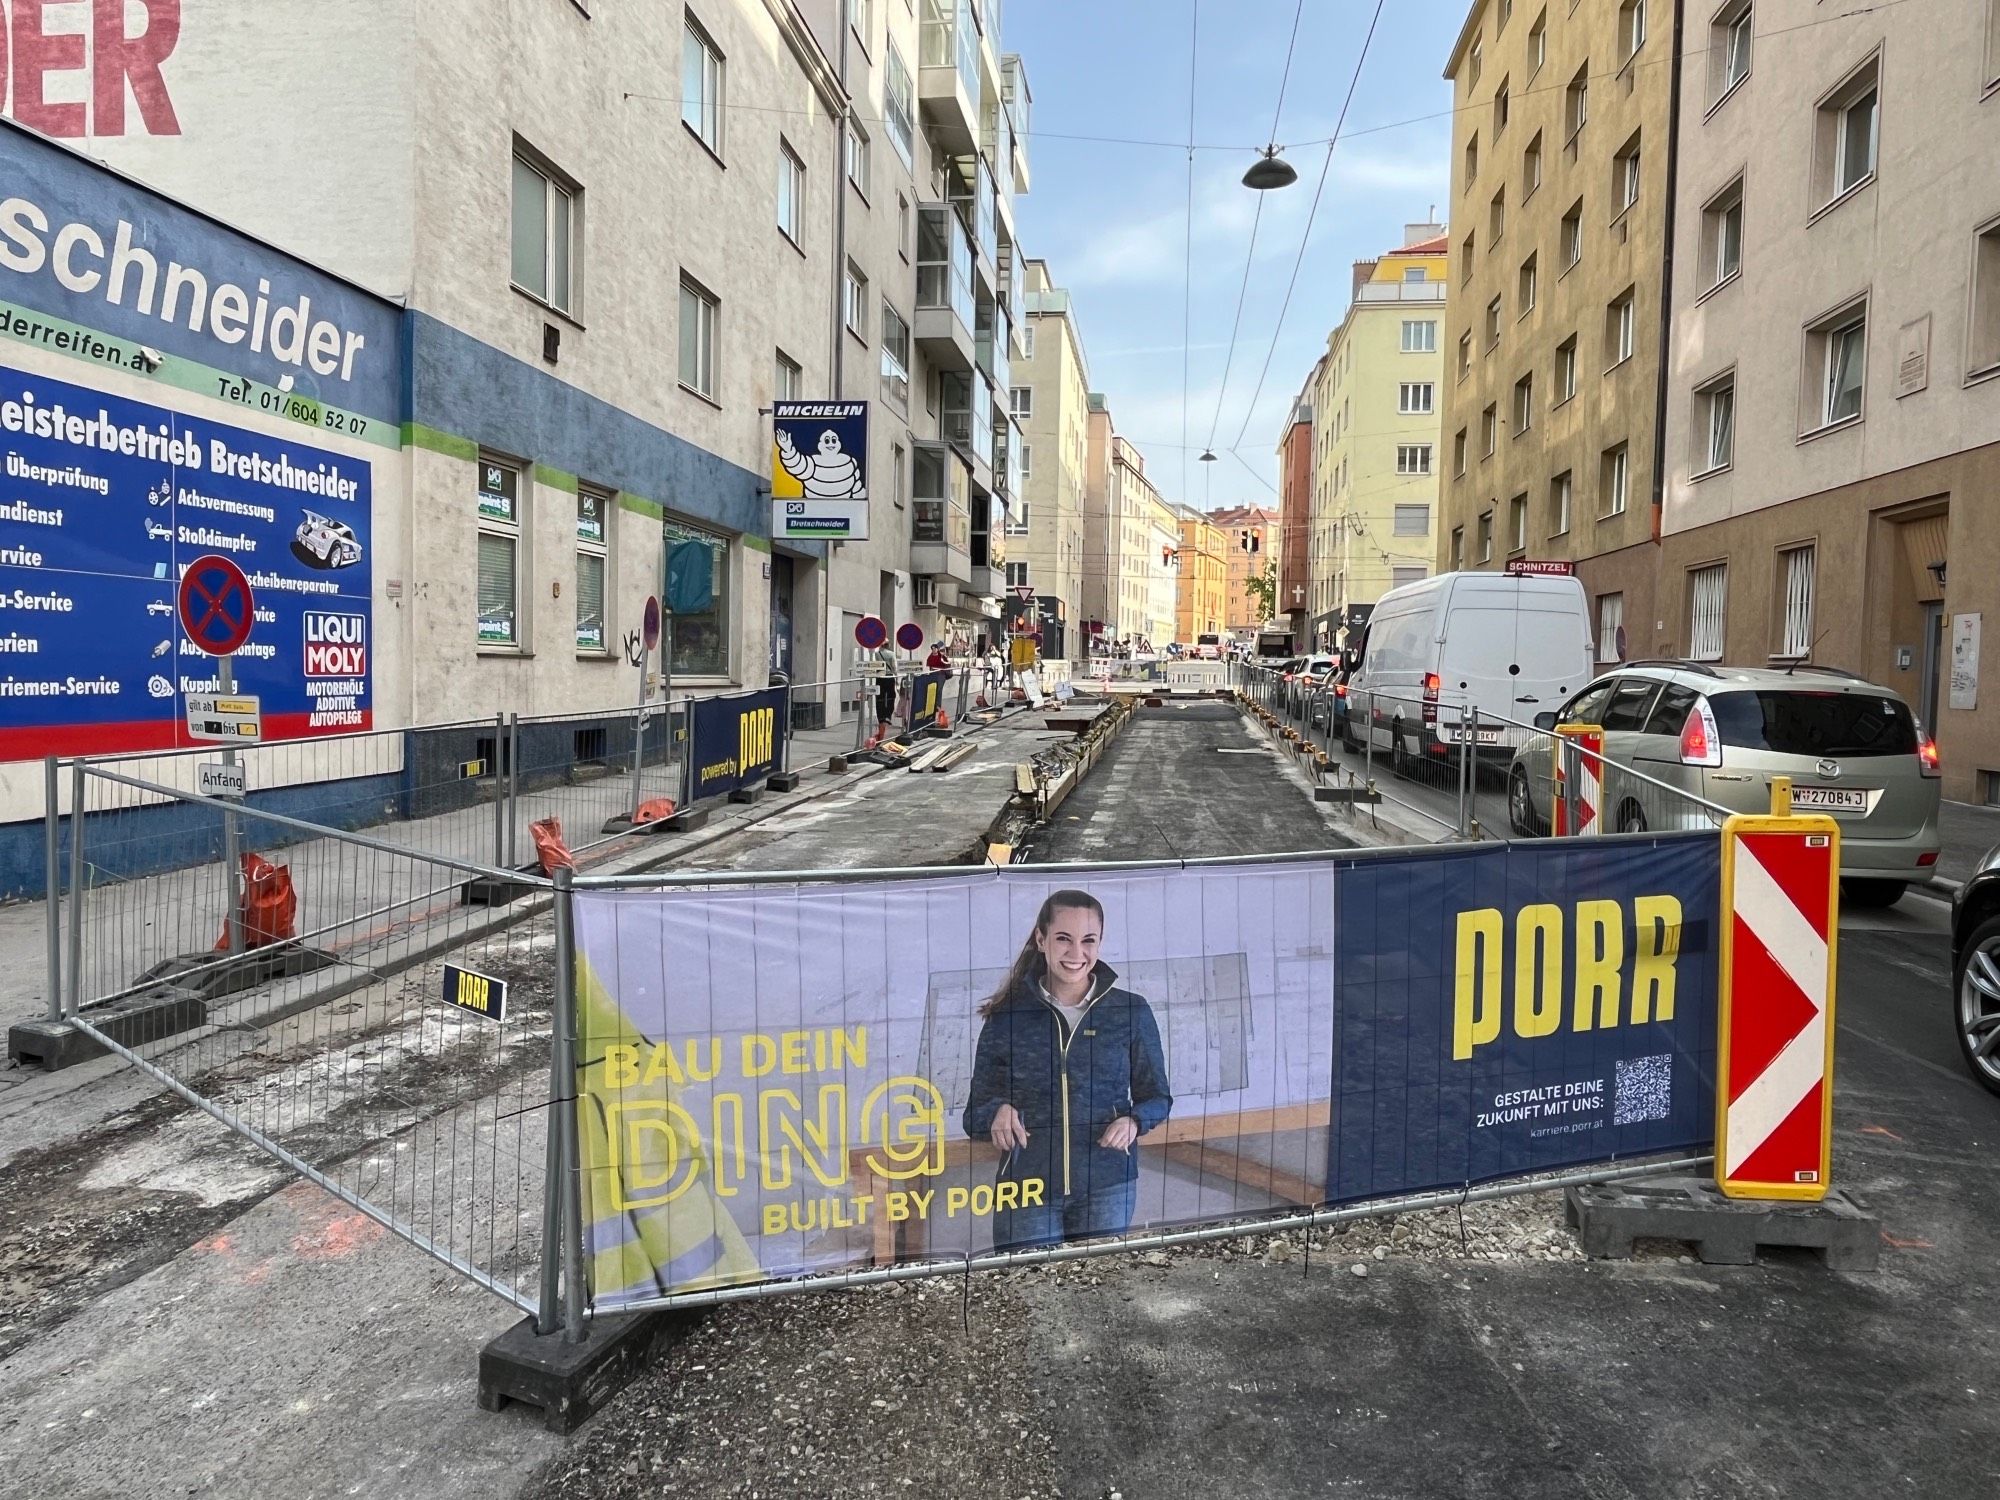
1589 759
1774 1078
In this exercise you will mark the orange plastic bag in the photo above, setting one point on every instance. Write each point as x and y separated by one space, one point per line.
270 905
653 809
549 846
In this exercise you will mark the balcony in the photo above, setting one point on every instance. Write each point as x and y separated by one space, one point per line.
995 339
941 516
947 312
948 84
967 423
1401 291
989 547
1006 460
969 189
1015 94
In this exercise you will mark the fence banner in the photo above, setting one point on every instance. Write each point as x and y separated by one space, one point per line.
926 698
1510 1008
783 1080
735 741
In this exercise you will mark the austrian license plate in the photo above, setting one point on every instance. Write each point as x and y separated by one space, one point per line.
1454 734
1831 799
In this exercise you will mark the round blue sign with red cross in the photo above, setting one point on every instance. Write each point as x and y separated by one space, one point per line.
909 635
215 605
870 632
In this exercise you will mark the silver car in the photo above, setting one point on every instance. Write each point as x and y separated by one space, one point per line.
1852 749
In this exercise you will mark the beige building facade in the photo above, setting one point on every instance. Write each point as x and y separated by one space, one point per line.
1561 183
1252 536
1202 576
1833 408
1051 403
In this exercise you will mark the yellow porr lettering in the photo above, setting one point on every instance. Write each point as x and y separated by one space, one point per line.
1475 1010
1538 1005
1659 920
1600 954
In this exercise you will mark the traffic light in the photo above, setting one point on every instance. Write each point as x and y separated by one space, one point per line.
1250 541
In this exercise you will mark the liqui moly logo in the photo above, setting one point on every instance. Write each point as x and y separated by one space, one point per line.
73 66
336 645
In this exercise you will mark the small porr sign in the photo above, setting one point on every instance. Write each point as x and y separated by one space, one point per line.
479 993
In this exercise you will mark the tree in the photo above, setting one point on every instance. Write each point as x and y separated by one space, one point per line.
1263 591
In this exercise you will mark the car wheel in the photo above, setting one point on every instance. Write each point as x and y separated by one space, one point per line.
1874 895
1977 984
1521 805
1631 818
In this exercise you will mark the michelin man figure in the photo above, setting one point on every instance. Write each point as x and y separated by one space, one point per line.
825 474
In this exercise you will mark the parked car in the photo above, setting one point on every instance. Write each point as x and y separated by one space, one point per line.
1975 970
1313 675
1511 647
1852 748
1208 648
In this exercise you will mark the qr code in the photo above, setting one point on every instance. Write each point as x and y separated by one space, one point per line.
1644 1090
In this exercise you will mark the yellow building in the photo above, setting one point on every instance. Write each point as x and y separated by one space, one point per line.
1375 401
1202 594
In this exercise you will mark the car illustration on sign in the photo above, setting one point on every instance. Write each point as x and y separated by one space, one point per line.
323 543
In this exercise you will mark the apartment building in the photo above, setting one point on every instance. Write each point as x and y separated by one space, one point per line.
1123 553
1051 405
1201 564
1295 509
1253 535
1374 405
1833 403
1561 185
1163 545
607 287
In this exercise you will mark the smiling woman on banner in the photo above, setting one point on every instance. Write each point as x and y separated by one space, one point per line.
1069 1073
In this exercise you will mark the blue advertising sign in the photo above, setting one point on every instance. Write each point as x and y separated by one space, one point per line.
104 503
926 698
736 741
819 450
1522 1007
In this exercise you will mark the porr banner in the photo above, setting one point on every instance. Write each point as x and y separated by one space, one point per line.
735 741
926 698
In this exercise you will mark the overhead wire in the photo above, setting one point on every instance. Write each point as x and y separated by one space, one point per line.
1187 236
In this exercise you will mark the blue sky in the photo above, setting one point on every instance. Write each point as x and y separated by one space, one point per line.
1110 219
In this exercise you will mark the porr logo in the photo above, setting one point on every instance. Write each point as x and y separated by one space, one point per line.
41 52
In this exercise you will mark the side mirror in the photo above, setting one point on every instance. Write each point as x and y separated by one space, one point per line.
1545 721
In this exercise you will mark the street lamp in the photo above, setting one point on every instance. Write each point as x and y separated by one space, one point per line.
1269 171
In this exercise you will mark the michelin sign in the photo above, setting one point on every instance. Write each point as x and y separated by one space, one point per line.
819 471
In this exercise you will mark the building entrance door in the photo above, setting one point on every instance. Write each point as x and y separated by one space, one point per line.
1927 689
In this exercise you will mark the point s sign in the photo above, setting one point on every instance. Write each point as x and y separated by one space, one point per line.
66 66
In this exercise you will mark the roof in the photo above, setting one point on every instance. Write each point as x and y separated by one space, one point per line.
1439 246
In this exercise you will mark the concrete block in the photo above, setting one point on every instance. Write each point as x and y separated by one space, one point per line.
787 781
132 1021
571 1382
747 795
487 890
1724 1231
836 765
1347 794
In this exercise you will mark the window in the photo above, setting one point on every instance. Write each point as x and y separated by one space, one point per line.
1465 354
1993 44
1844 131
1416 274
857 155
1722 236
1017 575
1836 354
1572 236
1611 627
1631 27
1457 548
1486 536
786 385
1620 326
1027 463
1489 427
1416 573
1625 711
697 601
855 313
1617 476
1799 564
1531 167
1625 175
1413 458
1021 402
1710 591
899 474
791 192
701 86
1477 60
1465 259
1528 287
895 357
1496 219
1715 424
1565 369
1017 518
899 96
1538 44
1729 48
1420 336
593 518
1562 495
1524 404
544 226
499 513
1027 341
1415 398
1576 101
1517 523
1503 108
1471 158
699 313
861 16
1458 453
1983 334
1492 324
1413 520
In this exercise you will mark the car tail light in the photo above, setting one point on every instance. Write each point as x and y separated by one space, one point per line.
1701 745
1927 858
1432 682
1927 756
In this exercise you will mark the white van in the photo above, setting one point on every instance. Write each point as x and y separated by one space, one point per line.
1433 650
